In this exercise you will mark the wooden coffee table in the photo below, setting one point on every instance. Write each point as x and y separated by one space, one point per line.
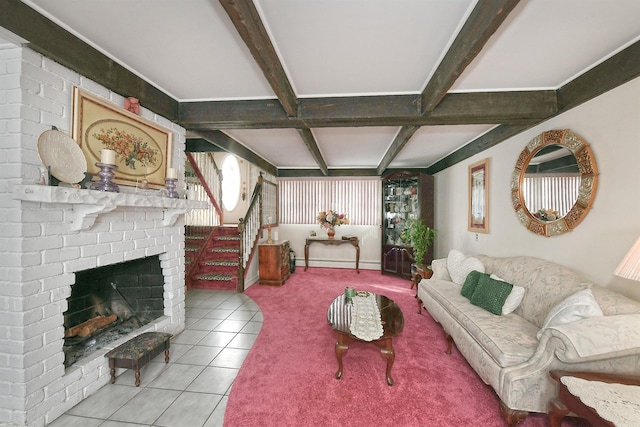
339 318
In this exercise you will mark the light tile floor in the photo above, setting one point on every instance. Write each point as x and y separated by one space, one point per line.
192 390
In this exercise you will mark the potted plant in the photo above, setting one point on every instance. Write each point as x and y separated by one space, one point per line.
421 238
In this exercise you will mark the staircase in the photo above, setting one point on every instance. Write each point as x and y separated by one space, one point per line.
214 250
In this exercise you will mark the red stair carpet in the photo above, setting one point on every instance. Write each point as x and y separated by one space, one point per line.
288 377
217 266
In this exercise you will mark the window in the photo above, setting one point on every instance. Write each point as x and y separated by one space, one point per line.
300 200
230 183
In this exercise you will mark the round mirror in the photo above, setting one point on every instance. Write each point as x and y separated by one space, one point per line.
554 182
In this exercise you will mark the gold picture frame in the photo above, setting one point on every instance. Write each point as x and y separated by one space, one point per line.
479 196
143 148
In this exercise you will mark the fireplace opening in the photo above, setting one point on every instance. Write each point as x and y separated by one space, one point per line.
109 302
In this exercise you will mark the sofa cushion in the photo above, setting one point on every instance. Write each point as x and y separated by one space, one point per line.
513 300
509 340
470 283
491 294
546 283
460 266
580 305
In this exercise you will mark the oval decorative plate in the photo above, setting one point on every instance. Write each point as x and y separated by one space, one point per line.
61 152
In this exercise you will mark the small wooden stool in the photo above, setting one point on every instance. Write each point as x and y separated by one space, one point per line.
136 352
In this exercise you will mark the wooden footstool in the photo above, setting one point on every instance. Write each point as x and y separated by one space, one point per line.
136 352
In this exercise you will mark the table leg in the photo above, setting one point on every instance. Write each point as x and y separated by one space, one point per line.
358 258
557 411
342 345
137 375
306 257
387 351
112 367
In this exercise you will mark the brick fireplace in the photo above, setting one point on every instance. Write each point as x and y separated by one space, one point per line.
110 302
49 235
84 230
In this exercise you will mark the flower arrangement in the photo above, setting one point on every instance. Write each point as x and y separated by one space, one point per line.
132 148
331 218
546 214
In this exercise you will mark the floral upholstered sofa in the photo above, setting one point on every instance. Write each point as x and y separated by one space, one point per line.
559 320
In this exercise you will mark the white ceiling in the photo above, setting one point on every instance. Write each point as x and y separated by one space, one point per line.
191 50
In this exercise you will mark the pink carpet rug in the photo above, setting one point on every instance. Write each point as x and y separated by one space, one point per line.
288 377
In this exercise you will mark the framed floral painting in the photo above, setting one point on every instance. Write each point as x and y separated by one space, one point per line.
479 197
143 149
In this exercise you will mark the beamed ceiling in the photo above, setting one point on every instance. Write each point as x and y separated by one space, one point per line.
342 87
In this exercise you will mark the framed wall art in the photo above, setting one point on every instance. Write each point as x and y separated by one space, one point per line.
479 197
143 149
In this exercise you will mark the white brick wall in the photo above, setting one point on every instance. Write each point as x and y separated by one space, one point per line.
39 251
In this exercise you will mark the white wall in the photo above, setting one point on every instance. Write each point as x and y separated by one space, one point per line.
611 125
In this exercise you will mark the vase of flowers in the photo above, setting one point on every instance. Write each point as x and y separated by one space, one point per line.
330 219
546 214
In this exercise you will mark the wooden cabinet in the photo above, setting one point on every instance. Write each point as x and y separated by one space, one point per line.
397 260
273 263
405 196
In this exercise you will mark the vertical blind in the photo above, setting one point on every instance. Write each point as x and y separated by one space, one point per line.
300 200
551 192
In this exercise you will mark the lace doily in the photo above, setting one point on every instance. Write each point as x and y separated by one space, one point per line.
618 403
365 318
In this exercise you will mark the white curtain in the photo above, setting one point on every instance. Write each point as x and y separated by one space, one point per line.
300 200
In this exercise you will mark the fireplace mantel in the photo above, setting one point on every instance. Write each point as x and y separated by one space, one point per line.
88 204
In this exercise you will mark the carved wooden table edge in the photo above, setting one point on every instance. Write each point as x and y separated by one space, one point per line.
355 242
566 402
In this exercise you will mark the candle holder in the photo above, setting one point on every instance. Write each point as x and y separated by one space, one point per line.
170 185
106 175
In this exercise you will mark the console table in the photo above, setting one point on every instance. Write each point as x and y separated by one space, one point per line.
355 242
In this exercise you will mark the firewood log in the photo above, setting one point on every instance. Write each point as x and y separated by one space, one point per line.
90 326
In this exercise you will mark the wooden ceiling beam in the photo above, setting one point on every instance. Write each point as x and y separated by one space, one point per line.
311 144
246 19
352 173
401 139
391 110
483 142
485 19
232 146
615 71
49 39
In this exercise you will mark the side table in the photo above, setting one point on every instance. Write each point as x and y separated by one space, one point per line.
567 402
333 242
418 273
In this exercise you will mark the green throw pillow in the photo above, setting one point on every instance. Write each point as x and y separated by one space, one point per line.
491 294
470 283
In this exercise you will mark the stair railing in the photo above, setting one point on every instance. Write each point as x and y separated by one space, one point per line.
204 182
262 212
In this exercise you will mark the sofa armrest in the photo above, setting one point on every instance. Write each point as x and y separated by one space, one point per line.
440 271
596 338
